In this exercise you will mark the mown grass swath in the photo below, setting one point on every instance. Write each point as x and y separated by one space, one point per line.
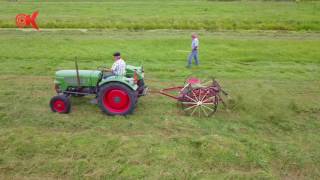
135 15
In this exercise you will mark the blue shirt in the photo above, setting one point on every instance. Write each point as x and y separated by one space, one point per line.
195 43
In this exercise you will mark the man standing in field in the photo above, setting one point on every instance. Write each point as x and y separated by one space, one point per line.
194 51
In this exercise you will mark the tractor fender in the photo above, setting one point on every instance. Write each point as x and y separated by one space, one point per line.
119 79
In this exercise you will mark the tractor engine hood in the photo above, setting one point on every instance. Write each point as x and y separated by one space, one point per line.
88 78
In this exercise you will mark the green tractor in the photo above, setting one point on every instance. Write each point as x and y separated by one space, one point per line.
116 95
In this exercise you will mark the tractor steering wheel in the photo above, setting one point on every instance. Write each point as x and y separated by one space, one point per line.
103 69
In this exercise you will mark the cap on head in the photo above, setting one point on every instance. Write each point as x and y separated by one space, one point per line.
116 54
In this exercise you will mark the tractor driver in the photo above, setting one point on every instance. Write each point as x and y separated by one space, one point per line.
119 66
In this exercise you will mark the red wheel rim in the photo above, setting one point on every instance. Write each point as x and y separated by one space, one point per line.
116 100
59 106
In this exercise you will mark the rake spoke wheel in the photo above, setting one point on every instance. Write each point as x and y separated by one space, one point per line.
201 102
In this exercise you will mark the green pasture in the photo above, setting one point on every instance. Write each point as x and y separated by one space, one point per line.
173 14
271 130
266 55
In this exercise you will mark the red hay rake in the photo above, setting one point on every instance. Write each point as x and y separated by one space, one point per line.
196 97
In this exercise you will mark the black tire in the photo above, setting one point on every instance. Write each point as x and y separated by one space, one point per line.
130 99
141 87
60 104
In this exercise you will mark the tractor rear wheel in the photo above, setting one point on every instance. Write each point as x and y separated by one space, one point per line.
60 104
116 99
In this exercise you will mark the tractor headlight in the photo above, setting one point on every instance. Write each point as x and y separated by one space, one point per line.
135 77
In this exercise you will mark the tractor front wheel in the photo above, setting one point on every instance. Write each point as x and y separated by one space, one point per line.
60 104
116 99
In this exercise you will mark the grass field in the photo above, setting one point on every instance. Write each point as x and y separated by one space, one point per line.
271 130
176 14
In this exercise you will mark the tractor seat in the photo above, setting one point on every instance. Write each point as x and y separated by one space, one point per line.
194 82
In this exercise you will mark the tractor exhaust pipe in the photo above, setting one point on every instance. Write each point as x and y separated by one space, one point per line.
77 70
